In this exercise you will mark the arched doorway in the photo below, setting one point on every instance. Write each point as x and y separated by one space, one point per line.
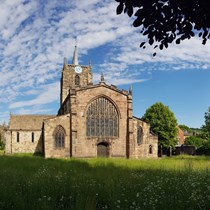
102 150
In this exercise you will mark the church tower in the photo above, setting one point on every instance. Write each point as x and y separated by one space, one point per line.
74 76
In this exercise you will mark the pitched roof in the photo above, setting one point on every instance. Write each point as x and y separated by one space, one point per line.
27 122
103 84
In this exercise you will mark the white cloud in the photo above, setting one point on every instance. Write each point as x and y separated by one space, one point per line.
34 110
35 37
50 94
4 117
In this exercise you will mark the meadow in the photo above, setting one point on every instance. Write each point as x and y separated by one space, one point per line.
30 182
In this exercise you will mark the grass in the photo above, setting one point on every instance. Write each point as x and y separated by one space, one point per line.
28 182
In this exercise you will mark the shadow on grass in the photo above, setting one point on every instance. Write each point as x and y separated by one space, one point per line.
31 182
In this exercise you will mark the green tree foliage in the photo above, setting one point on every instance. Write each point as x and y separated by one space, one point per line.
163 123
206 127
2 145
204 149
185 128
164 21
195 141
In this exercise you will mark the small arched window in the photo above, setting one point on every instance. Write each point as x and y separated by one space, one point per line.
150 149
77 80
59 137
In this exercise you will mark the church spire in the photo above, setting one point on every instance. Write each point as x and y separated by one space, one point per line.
75 57
64 62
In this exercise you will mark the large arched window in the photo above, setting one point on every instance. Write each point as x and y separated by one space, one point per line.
139 135
59 137
101 119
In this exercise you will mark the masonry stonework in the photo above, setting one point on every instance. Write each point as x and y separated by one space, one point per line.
94 120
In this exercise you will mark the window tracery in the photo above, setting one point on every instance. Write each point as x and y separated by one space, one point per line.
102 119
59 137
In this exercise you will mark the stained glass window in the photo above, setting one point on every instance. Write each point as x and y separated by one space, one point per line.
59 137
139 135
102 119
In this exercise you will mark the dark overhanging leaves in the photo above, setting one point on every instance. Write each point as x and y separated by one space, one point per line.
166 21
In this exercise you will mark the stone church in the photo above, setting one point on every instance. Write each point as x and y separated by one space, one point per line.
94 120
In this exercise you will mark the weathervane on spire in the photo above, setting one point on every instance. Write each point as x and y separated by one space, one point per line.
76 41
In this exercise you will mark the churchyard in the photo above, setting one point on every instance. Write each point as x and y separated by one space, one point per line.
31 182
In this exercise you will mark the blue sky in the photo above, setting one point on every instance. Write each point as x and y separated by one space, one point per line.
36 35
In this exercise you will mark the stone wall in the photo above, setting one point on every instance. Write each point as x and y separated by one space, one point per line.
68 79
25 144
148 141
87 147
49 144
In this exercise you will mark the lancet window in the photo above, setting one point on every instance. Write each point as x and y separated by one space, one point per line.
32 137
150 149
102 119
59 137
77 80
139 135
18 136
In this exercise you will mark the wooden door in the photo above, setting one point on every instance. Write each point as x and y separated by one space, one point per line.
102 150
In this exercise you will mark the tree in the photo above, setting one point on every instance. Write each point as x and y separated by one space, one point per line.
206 127
2 144
164 21
185 128
163 123
195 141
204 149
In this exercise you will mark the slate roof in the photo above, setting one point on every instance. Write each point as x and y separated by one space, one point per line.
27 122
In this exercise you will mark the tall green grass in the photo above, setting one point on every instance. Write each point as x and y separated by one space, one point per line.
28 182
